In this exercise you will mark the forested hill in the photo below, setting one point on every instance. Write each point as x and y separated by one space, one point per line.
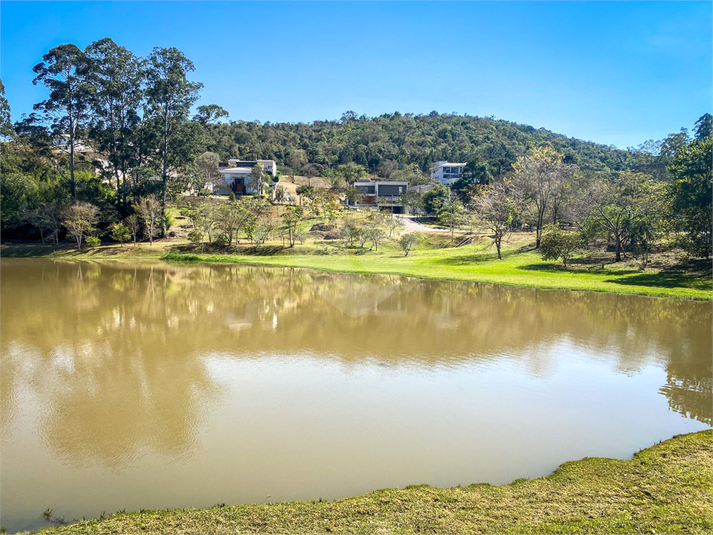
379 143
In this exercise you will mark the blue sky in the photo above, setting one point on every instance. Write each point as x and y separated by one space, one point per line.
611 72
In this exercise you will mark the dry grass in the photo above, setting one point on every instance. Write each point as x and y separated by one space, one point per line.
667 488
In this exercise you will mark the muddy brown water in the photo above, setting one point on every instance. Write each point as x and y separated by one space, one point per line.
143 386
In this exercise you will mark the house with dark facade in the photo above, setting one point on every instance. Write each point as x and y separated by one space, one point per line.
383 193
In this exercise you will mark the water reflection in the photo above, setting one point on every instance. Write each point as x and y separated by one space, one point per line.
119 365
116 350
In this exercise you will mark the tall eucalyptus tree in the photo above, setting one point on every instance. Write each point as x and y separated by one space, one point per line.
170 96
64 71
118 76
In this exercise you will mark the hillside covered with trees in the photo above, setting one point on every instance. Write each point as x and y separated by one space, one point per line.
119 137
395 141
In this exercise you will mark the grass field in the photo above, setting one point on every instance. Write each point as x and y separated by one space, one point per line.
667 488
434 258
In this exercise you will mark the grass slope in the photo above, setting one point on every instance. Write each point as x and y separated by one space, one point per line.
433 259
667 488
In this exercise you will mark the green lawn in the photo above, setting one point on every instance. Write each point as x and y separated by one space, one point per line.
667 488
434 258
478 263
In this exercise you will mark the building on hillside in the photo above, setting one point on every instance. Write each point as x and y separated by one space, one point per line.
383 193
446 172
238 176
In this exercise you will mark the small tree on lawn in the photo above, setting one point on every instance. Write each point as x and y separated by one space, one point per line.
375 235
451 214
292 217
120 232
47 218
557 243
363 236
393 223
350 232
80 220
408 242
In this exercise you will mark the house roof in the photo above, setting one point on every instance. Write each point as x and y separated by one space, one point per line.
236 170
448 164
380 182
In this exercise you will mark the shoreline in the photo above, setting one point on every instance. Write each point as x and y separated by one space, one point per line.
665 488
517 269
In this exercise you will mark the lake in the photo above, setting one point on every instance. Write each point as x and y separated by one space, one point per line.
143 386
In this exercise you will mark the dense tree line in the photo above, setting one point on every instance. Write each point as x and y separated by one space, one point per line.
632 211
395 141
114 128
118 136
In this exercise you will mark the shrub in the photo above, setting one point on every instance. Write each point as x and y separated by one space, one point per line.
93 241
220 240
195 236
557 243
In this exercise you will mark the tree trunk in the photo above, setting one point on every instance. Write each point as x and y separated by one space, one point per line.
164 175
617 257
540 221
71 161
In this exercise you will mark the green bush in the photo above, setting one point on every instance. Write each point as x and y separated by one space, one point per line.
93 241
557 243
220 240
195 236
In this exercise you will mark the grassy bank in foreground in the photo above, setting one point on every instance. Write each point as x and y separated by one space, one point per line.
434 258
667 488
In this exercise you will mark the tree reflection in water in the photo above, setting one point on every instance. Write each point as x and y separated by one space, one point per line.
115 354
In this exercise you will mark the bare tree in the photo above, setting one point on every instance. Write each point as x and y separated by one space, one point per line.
47 218
257 178
496 210
133 223
208 163
539 181
80 220
149 209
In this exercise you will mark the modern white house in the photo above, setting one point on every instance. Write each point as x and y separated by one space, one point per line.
382 193
238 176
446 172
